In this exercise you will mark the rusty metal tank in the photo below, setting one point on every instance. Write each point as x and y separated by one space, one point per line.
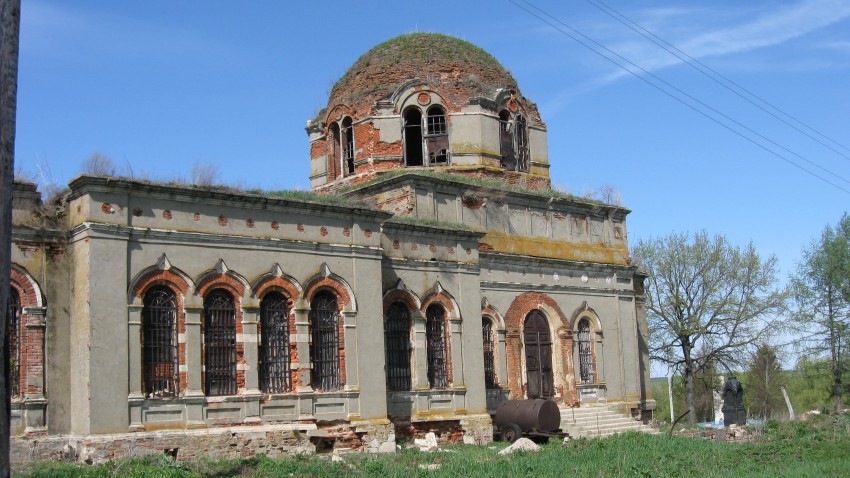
531 415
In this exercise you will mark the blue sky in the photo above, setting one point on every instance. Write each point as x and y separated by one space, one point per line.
165 85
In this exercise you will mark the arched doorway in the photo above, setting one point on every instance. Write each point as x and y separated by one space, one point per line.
538 356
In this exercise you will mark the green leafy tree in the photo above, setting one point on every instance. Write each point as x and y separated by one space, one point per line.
707 302
822 291
763 382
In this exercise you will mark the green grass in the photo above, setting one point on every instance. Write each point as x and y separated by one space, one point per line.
473 181
817 448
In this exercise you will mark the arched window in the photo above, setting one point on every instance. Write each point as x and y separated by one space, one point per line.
13 329
506 140
513 142
585 352
159 343
413 137
437 140
348 146
220 343
522 154
324 349
435 335
333 151
274 344
490 380
397 340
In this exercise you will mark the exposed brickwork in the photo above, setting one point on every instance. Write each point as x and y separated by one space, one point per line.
30 339
160 277
220 280
399 295
514 318
447 431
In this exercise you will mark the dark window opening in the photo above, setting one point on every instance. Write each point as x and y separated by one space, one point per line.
159 343
513 142
397 341
219 344
506 140
333 151
12 347
522 154
413 137
437 140
585 352
274 344
490 380
348 146
435 336
324 348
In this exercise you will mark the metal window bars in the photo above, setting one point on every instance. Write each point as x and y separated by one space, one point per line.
489 354
274 344
397 342
585 352
324 348
13 319
159 343
220 344
436 340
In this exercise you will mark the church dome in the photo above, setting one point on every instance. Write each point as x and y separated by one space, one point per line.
455 68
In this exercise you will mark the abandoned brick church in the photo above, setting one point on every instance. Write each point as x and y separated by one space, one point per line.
431 274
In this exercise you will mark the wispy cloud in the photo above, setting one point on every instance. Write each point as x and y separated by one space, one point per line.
766 29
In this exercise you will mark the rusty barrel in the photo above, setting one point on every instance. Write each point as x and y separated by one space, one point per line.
531 415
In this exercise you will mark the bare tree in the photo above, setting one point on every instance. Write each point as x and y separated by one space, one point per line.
609 195
707 302
99 164
205 174
10 23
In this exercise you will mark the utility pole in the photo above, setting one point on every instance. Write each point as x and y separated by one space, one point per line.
10 25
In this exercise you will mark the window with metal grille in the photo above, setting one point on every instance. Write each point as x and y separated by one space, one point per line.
159 343
324 348
585 352
435 335
397 342
220 343
13 320
489 353
348 146
437 140
274 344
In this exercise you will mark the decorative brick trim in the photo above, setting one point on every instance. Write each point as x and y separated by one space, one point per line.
399 295
328 283
160 277
225 281
30 339
278 284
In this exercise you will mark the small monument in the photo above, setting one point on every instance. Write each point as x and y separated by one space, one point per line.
733 403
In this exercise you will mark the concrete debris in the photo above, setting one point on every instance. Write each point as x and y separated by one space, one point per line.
429 443
337 458
523 444
431 467
468 440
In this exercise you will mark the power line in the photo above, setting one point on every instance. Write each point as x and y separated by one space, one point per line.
717 77
659 88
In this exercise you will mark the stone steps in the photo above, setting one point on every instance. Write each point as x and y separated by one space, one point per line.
599 421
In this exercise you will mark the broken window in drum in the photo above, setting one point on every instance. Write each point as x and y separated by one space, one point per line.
397 342
220 344
274 344
324 349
